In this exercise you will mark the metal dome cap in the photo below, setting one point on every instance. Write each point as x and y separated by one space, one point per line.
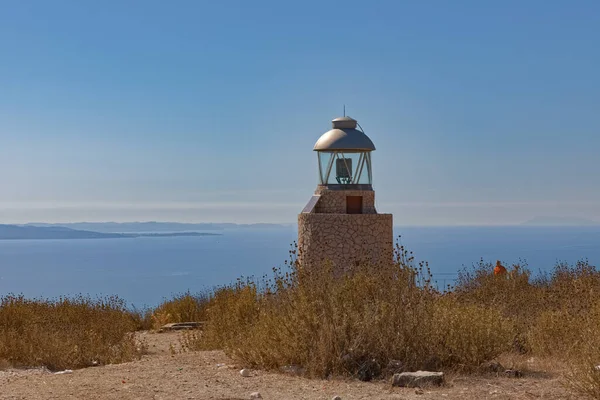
344 136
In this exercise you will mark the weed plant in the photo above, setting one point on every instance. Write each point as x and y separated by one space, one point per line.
184 307
66 333
380 317
369 321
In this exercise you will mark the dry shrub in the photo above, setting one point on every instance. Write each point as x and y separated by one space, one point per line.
66 333
568 306
513 294
353 323
584 376
230 310
572 289
555 315
571 329
469 335
142 318
557 333
183 307
576 339
372 316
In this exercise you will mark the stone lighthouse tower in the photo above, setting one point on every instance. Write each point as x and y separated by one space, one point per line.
340 223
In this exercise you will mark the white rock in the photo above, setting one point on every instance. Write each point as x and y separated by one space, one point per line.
66 371
245 373
255 395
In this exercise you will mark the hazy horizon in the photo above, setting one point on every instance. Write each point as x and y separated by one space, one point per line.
538 221
482 114
411 214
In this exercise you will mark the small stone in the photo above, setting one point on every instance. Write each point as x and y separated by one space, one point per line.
255 395
245 373
418 379
419 391
336 398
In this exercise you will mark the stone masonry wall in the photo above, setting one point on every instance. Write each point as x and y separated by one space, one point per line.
334 201
344 238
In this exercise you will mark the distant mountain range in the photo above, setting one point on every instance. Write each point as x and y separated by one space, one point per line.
155 227
50 232
108 230
560 221
20 232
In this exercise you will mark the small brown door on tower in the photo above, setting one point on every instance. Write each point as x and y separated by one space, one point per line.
354 204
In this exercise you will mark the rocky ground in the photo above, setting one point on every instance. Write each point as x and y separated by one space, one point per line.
211 375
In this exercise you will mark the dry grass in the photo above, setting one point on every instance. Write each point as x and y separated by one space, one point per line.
352 324
361 323
183 307
584 354
78 332
371 321
65 333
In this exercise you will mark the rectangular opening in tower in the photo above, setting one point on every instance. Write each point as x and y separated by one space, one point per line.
354 204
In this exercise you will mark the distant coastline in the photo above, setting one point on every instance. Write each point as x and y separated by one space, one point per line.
560 221
171 234
153 226
123 230
30 232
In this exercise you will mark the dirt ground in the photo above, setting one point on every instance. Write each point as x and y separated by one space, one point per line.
211 375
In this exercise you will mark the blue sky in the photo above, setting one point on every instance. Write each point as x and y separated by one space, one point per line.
482 112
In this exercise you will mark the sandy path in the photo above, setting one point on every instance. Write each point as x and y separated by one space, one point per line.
161 375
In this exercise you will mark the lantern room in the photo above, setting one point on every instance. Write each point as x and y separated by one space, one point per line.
344 154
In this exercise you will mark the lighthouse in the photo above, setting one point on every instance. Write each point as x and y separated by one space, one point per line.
340 223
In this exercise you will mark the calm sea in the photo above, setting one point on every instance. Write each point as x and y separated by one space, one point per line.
145 270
